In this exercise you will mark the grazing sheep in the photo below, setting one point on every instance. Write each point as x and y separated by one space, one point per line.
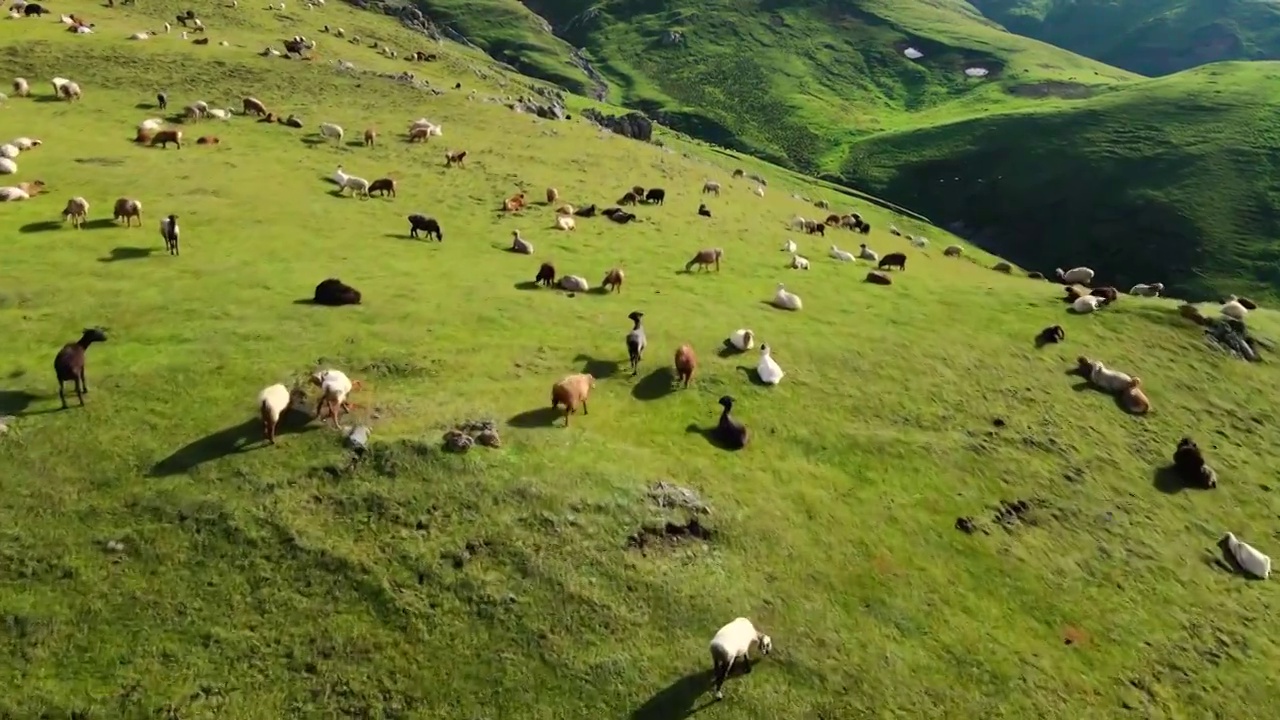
419 134
832 220
636 341
892 260
865 229
918 241
552 195
370 135
799 262
335 387
169 231
824 205
127 209
164 137
1003 267
333 293
77 211
1248 557
1235 309
704 211
878 278
8 167
629 198
686 362
574 283
455 158
292 121
546 275
711 187
732 643
572 391
1189 463
655 196
358 186
729 432
1134 399
1147 290
739 173
619 216
57 83
740 340
520 245
69 91
331 131
1074 276
613 280
813 226
841 255
588 211
1108 294
273 401
953 251
384 186
515 203
1102 377
13 194
195 112
1087 304
1051 335
207 140
565 222
68 364
705 258
21 88
253 106
786 300
638 191
866 253
422 223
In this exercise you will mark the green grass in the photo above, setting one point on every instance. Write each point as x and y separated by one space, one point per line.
1150 37
263 583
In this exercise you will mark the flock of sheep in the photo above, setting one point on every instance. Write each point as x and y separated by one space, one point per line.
732 643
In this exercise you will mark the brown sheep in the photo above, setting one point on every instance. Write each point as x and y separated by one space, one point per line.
455 158
637 191
686 363
1108 294
571 392
832 220
208 140
386 186
546 275
419 134
32 187
254 106
164 137
613 280
143 136
1003 267
629 199
552 195
515 203
879 278
369 136
1133 399
705 258
128 208
1192 313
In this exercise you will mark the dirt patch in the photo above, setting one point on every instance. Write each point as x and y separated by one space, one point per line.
469 433
1052 88
670 495
669 534
1072 635
1013 513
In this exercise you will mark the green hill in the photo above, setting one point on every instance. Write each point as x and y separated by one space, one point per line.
157 560
1150 37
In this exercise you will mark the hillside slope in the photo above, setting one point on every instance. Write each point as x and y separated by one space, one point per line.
1173 180
1150 37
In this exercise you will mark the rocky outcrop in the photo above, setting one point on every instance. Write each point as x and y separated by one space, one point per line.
633 125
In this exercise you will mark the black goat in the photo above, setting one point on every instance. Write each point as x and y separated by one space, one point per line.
68 364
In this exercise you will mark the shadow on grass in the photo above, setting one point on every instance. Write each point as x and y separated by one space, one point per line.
677 700
313 141
752 376
45 98
709 434
526 285
728 351
543 417
127 253
233 440
355 143
656 385
16 402
1168 480
599 369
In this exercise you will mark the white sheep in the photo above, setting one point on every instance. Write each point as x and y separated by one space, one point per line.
1233 309
357 185
565 222
77 211
799 262
25 143
759 191
330 131
335 386
273 401
168 27
8 167
918 241
786 300
221 113
9 150
731 644
69 91
1075 276
789 246
574 283
798 223
21 87
13 194
1104 377
58 82
150 125
767 368
740 339
1147 290
867 253
841 255
141 36
1087 303
1249 558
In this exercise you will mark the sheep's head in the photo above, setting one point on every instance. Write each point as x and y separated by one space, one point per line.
635 316
1084 365
94 335
726 402
766 644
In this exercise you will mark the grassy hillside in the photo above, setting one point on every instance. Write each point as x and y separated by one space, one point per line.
1181 181
156 560
1151 37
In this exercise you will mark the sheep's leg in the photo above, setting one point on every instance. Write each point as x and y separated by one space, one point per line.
80 390
62 393
722 673
584 407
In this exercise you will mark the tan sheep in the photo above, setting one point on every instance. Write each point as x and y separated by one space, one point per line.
613 280
77 211
571 392
552 196
565 209
705 258
686 363
370 135
127 209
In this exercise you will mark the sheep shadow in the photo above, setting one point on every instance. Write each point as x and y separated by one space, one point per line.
728 351
752 376
355 143
709 434
527 285
656 385
45 98
314 141
598 369
16 402
42 226
543 417
231 441
677 700
329 179
144 106
127 253
1169 481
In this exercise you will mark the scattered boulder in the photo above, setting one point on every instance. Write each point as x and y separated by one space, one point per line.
467 433
670 495
633 125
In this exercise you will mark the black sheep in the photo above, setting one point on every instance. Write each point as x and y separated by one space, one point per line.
34 9
1191 467
655 196
635 342
731 433
588 211
704 211
622 217
162 101
333 292
546 275
1051 335
866 228
68 364
425 224
892 260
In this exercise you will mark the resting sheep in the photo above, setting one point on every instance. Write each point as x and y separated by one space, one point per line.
1189 463
732 643
1102 377
422 223
1087 304
799 262
1051 335
705 258
786 300
1234 309
866 253
77 211
565 222
574 283
1147 290
571 392
520 245
334 293
588 211
953 251
8 167
740 340
1249 558
841 255
730 433
704 211
514 203
127 209
1074 276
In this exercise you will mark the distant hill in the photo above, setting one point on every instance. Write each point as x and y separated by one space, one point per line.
1150 37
